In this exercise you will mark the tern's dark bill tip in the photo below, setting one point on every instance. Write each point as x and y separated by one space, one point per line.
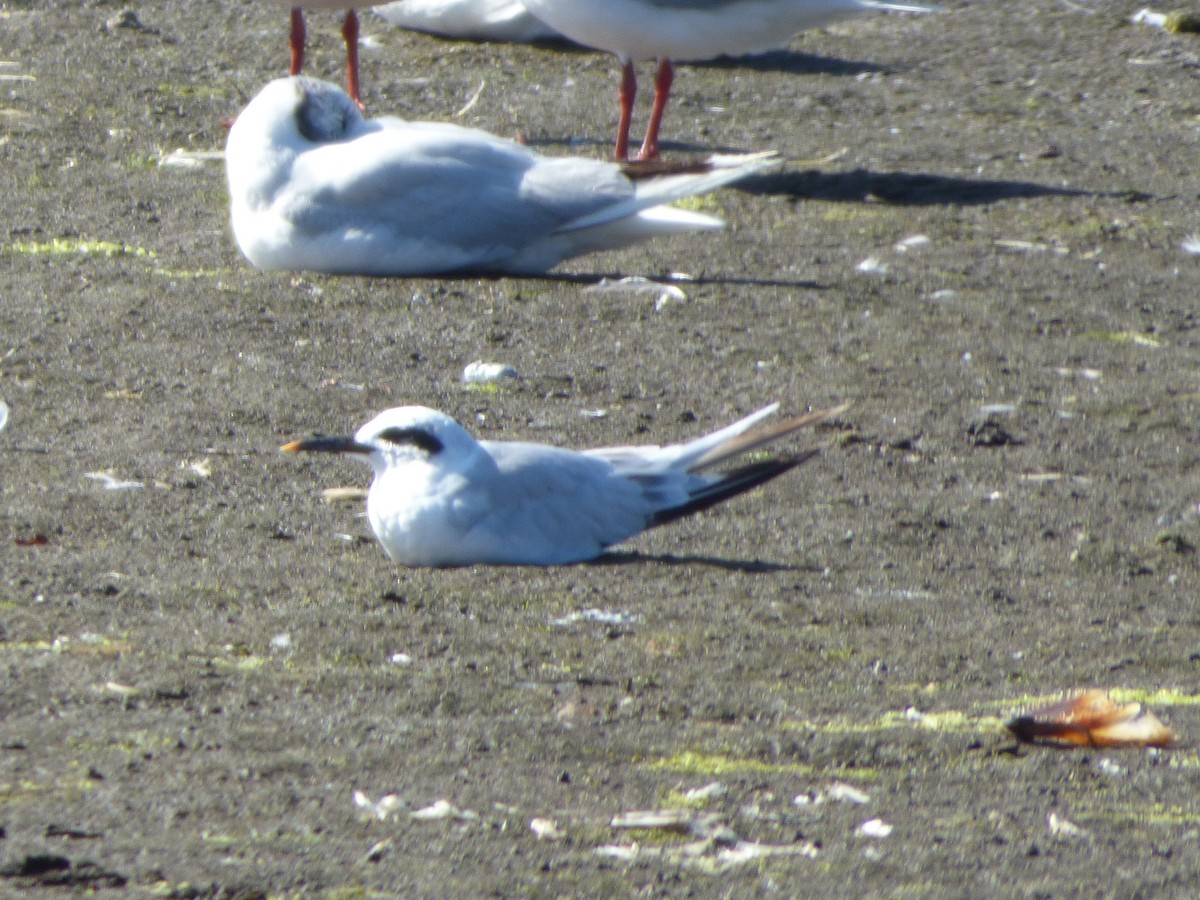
327 444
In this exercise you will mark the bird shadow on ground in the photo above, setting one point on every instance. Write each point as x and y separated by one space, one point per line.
898 188
781 60
670 559
856 186
795 63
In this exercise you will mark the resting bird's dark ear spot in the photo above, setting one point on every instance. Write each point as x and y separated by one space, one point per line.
320 119
304 119
416 437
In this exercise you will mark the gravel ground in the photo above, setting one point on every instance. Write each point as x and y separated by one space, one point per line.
200 672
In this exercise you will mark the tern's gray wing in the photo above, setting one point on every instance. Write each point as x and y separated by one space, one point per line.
560 505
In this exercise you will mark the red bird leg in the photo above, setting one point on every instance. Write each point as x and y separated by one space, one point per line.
625 95
350 35
662 90
296 42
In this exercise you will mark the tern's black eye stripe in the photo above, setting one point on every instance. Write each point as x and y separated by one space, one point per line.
415 436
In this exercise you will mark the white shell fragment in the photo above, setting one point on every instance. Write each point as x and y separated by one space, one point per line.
997 409
121 690
480 372
1147 16
840 791
601 616
638 284
707 855
943 295
3 413
343 494
190 159
916 240
873 265
1180 21
667 819
386 805
113 484
708 792
1060 827
545 829
443 809
201 468
375 854
875 828
1191 244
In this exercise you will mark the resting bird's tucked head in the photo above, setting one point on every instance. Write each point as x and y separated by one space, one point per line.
323 113
314 186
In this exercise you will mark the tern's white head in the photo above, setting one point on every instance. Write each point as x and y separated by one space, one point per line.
395 437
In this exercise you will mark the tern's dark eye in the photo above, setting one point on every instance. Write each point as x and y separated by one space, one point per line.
415 437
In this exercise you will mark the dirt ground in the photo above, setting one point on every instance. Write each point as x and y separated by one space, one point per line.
198 674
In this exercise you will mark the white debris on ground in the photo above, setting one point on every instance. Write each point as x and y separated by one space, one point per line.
190 159
111 483
443 809
1176 22
716 847
382 809
638 284
1060 827
545 829
601 616
874 828
480 372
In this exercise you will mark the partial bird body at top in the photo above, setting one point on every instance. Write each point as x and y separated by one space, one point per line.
442 498
315 186
350 30
669 30
476 20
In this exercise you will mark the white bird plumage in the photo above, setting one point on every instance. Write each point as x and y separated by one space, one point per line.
313 185
688 30
478 20
441 498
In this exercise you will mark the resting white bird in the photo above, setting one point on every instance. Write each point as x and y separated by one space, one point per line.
475 20
441 498
688 30
315 186
296 37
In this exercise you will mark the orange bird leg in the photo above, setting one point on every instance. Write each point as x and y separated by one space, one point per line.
662 90
350 35
625 95
296 42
